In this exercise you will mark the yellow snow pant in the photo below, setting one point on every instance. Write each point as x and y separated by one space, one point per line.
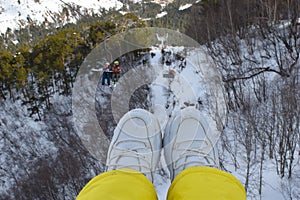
118 185
206 183
192 183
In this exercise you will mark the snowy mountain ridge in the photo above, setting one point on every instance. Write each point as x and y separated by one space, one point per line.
17 13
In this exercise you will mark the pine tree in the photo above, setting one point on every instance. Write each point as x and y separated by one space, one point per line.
6 73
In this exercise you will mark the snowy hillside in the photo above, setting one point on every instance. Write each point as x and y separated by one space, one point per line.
30 146
16 13
44 156
176 77
190 87
34 144
44 149
194 83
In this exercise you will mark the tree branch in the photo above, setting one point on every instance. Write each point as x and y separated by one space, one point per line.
261 70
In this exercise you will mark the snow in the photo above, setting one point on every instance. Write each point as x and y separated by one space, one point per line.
188 85
123 12
160 15
186 6
271 189
136 1
192 83
25 135
162 185
146 19
13 14
170 95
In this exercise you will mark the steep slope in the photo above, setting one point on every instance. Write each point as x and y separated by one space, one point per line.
17 13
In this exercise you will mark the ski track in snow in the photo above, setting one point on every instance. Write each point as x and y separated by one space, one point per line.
168 96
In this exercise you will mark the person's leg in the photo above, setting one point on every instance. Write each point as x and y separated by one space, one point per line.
193 163
103 78
117 76
127 184
108 79
195 183
114 78
132 158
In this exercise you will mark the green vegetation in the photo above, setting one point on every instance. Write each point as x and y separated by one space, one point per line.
38 61
44 61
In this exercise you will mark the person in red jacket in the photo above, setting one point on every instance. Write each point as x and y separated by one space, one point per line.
116 70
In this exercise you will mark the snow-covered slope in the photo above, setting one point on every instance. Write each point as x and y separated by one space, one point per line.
15 13
23 136
22 142
190 88
191 85
29 148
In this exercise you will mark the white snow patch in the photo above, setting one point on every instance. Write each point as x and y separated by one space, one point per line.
123 12
146 19
160 15
136 1
271 187
186 6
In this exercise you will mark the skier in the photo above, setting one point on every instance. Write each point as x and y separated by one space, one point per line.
106 74
182 63
134 154
152 55
116 70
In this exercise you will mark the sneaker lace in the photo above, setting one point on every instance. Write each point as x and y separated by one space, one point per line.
203 158
143 162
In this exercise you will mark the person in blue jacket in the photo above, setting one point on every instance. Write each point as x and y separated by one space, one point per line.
106 74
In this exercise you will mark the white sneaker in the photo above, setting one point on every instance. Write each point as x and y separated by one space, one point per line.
136 143
188 142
